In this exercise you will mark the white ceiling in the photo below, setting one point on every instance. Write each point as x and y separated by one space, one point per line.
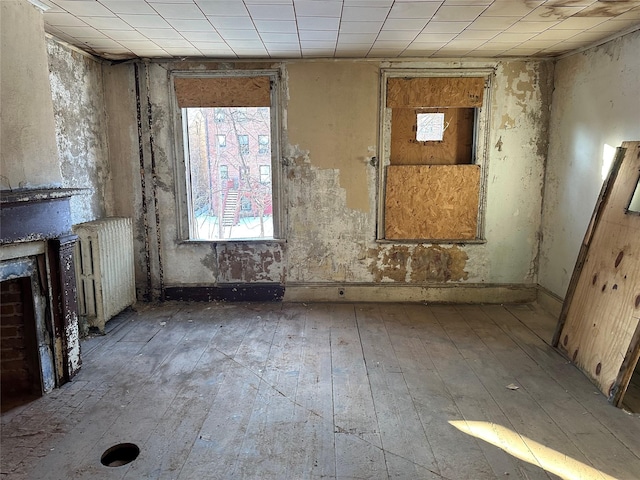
119 29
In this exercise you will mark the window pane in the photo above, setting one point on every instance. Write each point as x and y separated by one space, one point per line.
231 196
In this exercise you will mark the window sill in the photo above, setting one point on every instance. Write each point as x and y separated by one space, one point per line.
251 241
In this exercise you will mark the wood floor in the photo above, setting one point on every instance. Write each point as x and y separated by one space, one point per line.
306 391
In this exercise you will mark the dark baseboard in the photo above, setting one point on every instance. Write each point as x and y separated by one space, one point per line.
228 292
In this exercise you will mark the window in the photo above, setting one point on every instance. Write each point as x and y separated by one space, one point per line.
431 178
265 173
227 197
263 145
243 142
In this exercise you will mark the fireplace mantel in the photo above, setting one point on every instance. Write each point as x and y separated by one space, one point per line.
42 218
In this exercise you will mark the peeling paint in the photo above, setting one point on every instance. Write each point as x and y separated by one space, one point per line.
418 264
238 262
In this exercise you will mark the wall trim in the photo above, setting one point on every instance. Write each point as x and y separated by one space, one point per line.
549 301
400 292
226 292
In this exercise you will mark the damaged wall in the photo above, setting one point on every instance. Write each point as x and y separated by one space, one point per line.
330 132
583 120
81 133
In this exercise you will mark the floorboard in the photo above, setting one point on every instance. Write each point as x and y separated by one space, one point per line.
332 391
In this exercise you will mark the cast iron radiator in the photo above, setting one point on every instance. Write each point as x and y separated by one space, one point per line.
104 270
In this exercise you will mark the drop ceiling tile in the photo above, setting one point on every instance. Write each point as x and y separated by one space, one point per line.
509 8
315 44
279 38
221 8
308 8
522 52
105 43
145 21
451 53
573 3
178 11
53 8
397 35
634 13
271 12
160 33
126 35
270 2
244 43
276 26
614 26
318 34
513 37
364 14
360 27
191 25
368 3
127 6
317 53
63 20
458 13
445 27
222 51
423 10
182 51
493 23
83 32
318 23
230 35
86 9
540 44
285 54
468 2
384 53
138 44
106 23
558 35
403 24
579 23
530 27
550 14
353 47
417 48
231 23
609 9
487 52
210 36
170 1
477 34
588 37
435 37
462 44
355 38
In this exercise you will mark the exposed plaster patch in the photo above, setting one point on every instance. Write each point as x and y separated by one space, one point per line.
507 122
418 264
249 263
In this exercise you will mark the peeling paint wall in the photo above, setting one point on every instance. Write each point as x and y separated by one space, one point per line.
330 132
81 133
596 101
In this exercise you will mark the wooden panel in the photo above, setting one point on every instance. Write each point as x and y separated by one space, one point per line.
435 92
599 324
432 202
223 92
455 147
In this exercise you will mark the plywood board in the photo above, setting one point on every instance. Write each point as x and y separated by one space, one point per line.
194 92
455 148
437 202
435 92
599 326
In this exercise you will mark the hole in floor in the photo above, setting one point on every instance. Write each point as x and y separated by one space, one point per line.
120 454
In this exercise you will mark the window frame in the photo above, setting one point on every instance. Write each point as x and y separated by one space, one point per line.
184 210
480 153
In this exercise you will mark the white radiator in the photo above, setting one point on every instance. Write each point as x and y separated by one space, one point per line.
104 269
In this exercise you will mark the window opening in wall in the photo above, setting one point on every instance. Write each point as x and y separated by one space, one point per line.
228 130
431 180
634 203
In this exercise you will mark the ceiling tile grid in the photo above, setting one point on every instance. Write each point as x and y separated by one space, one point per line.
121 29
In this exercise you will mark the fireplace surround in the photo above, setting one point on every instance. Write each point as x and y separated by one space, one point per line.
36 246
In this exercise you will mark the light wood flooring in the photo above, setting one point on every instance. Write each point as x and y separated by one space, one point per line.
310 391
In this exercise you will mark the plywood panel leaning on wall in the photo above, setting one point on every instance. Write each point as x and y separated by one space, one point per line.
599 327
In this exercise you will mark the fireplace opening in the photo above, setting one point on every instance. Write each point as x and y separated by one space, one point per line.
20 372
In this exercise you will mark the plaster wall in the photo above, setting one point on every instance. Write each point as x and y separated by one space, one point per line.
81 133
330 114
596 101
29 155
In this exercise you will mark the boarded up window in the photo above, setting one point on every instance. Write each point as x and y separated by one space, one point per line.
432 186
223 92
432 201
